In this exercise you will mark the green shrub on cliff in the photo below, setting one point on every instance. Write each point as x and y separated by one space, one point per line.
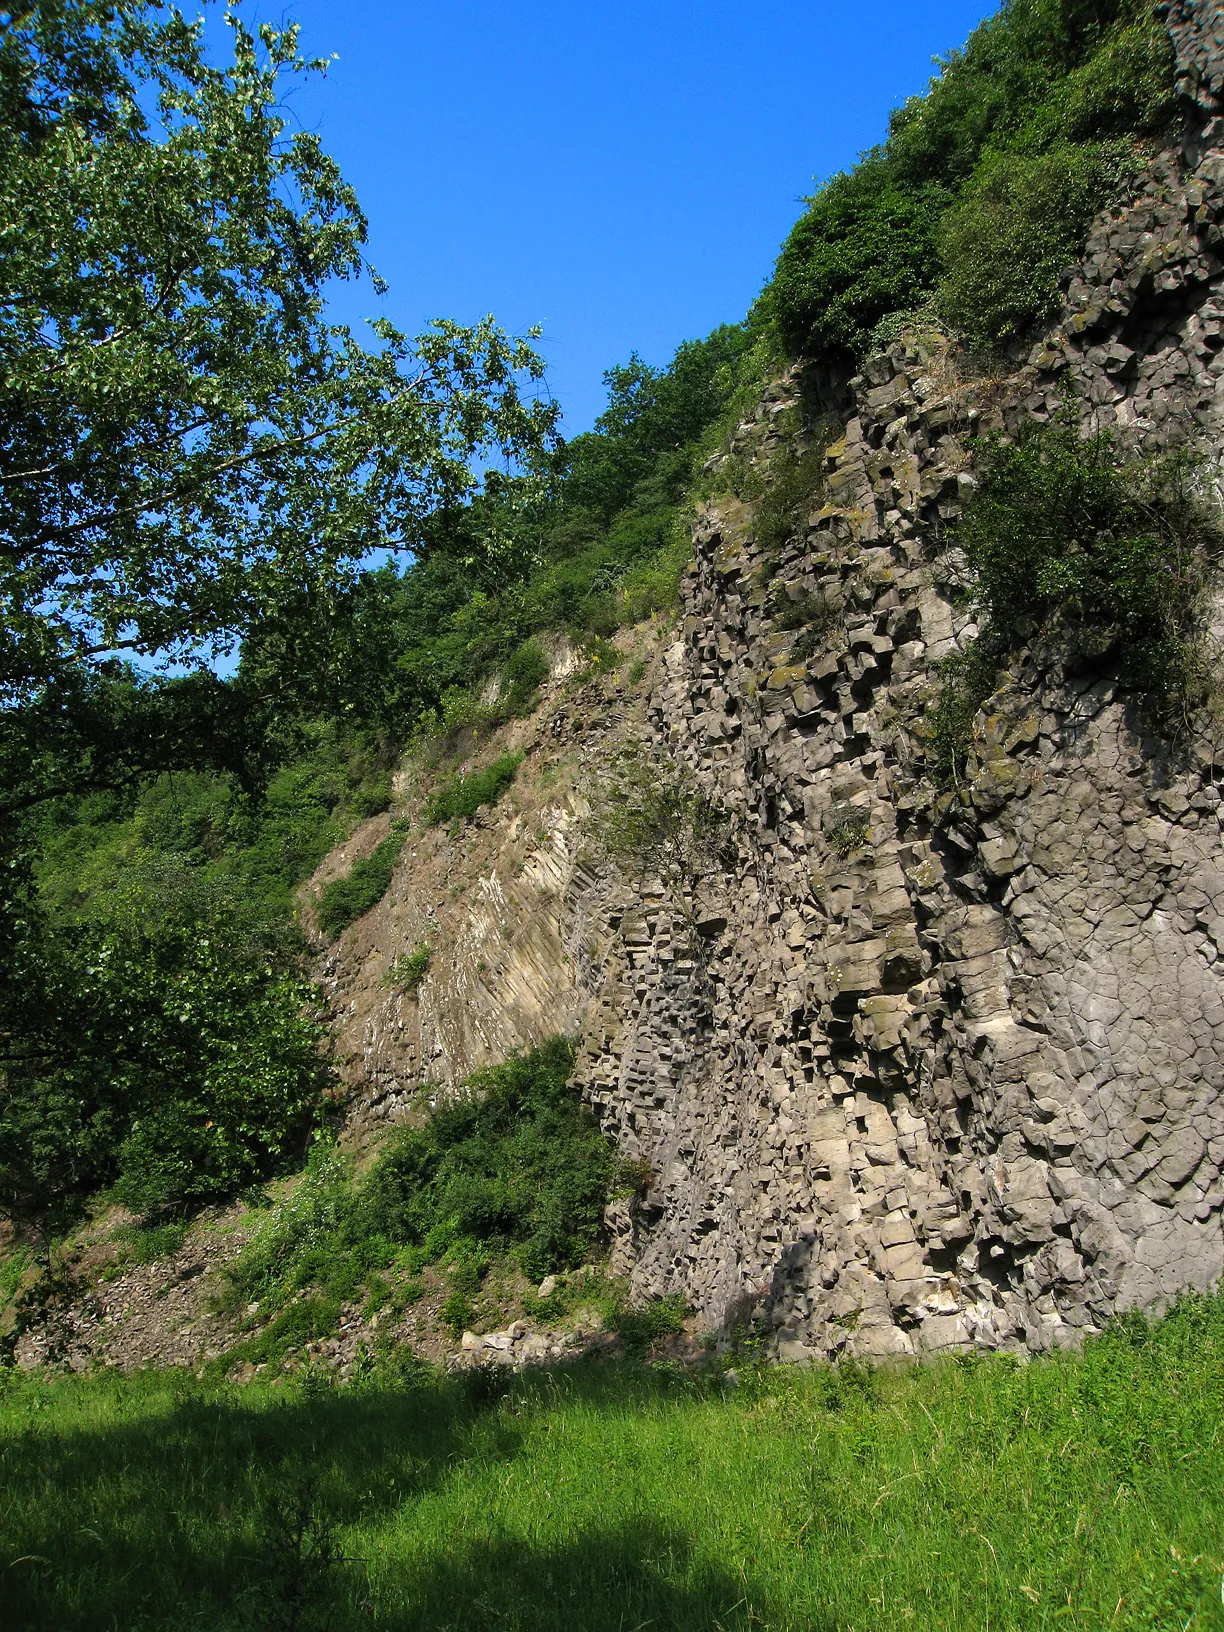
1069 529
464 795
866 247
1069 534
1008 138
1018 222
346 899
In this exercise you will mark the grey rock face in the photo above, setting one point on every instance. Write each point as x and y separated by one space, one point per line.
916 1071
940 1072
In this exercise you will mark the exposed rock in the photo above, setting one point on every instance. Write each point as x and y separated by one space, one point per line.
919 1071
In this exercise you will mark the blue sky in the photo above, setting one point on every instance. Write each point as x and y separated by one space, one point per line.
622 173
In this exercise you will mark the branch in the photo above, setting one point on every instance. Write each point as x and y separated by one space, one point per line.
235 462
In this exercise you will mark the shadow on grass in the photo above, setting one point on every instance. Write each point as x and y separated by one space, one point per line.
143 1504
639 1576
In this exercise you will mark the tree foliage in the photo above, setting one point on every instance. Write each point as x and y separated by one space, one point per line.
164 1047
190 445
1008 138
190 450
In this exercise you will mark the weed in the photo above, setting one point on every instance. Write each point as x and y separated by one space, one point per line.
850 833
146 1243
407 972
648 815
298 1542
458 1312
463 796
346 899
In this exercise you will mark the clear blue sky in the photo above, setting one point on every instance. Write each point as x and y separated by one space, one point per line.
622 173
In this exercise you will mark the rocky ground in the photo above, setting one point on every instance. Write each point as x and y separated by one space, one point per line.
103 1307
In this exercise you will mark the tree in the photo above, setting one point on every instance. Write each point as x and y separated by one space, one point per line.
187 444
190 453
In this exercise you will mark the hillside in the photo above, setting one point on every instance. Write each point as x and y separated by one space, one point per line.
921 1060
740 911
873 876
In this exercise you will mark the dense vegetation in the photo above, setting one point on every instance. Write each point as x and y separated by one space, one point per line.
512 1171
226 495
984 188
194 458
225 476
1070 536
1079 1491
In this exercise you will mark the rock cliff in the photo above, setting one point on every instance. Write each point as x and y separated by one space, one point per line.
913 1071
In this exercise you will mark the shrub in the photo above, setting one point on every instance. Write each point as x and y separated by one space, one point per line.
1126 86
649 815
1039 78
514 1166
1067 532
850 833
641 1328
1016 226
865 247
517 1164
407 973
967 678
179 1063
345 899
457 1311
464 795
1067 528
791 487
522 677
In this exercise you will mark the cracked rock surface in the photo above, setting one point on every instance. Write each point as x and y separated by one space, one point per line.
917 1070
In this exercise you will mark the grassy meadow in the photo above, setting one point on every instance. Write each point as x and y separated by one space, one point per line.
1079 1491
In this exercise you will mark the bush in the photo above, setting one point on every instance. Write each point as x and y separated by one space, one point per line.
867 246
1008 134
1126 86
464 795
346 899
1069 529
178 1063
967 679
407 973
1016 226
522 677
648 815
641 1328
1067 532
515 1166
794 481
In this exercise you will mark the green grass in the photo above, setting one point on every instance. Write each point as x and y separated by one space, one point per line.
464 795
346 899
1083 1492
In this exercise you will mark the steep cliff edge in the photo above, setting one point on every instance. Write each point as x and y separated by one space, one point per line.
915 1071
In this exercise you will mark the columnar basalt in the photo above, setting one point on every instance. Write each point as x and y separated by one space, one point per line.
920 1069
951 1071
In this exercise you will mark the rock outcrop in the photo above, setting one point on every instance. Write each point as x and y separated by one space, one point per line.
915 1071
